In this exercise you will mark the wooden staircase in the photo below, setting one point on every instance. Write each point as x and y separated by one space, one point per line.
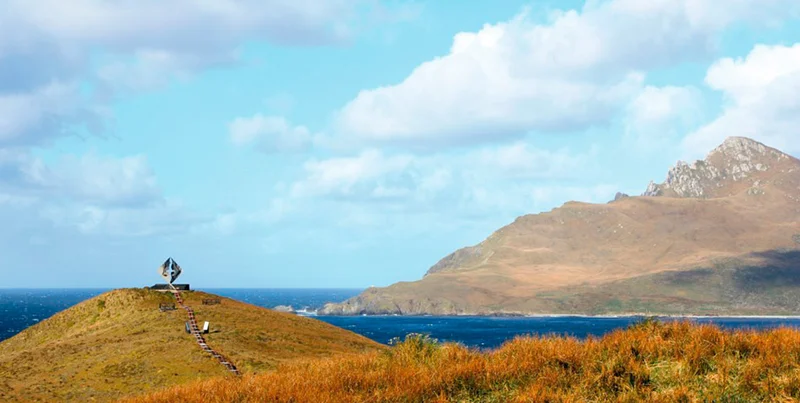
195 331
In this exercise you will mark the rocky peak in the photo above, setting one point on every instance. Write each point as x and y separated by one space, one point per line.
736 160
619 196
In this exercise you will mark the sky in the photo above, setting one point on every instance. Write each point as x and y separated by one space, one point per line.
350 143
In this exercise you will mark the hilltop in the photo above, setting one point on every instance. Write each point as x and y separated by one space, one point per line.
119 344
718 236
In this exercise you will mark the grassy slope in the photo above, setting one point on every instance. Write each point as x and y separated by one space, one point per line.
768 286
120 343
675 362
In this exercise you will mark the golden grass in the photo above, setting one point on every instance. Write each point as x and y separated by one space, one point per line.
119 343
652 361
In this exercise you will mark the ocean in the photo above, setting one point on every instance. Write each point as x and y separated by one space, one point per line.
20 308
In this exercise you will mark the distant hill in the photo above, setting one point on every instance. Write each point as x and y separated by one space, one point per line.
119 343
719 236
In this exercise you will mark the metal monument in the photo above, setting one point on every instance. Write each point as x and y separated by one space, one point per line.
170 270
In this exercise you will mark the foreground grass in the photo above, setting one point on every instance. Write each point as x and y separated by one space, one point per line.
651 361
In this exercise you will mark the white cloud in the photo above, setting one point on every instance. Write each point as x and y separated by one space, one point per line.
125 25
660 104
761 100
659 115
163 218
520 160
92 194
345 176
41 114
47 47
486 181
62 64
574 72
88 179
269 134
744 80
151 69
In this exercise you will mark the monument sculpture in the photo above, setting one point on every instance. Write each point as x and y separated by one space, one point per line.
170 270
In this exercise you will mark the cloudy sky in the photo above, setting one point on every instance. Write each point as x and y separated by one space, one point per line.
348 143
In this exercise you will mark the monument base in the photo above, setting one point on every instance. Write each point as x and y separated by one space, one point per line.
165 287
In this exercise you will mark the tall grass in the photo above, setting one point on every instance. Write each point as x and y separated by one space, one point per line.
650 361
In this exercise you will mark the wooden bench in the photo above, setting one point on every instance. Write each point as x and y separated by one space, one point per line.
166 307
211 301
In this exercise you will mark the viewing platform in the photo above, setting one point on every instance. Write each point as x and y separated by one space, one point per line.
166 287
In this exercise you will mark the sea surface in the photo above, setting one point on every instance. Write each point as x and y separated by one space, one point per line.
20 308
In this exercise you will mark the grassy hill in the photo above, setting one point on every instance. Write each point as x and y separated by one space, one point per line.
119 343
652 361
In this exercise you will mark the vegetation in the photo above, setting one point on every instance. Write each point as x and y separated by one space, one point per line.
650 361
120 343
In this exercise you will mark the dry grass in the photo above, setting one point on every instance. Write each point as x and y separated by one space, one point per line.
651 361
119 343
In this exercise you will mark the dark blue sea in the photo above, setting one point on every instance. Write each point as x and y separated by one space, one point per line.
20 308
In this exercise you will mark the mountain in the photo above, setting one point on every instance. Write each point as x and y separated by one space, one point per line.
719 236
120 343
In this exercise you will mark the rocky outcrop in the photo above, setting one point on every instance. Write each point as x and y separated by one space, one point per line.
375 304
736 161
284 308
619 196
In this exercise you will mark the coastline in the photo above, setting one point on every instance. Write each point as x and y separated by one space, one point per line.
580 316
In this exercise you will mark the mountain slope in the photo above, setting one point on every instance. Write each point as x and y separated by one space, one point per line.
119 343
742 200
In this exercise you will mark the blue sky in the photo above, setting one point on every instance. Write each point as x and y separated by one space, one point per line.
349 143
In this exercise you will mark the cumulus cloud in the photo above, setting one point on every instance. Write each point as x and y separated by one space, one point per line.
49 47
370 171
86 179
573 72
415 183
36 116
269 134
659 104
520 160
761 100
91 194
659 115
163 218
150 69
126 181
126 25
62 64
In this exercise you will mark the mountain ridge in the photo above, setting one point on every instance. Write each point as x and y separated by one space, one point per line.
742 199
737 159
